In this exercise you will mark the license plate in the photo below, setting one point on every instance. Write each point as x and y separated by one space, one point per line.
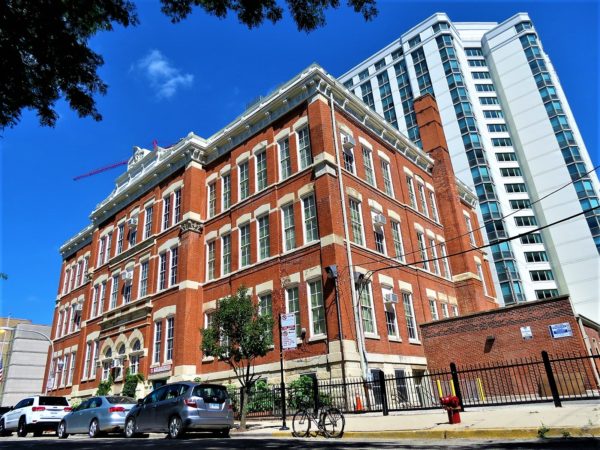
214 406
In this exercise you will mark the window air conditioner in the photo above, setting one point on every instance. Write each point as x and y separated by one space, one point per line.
79 307
132 222
390 297
348 143
127 275
379 220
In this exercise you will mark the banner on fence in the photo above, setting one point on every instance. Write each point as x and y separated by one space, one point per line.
288 331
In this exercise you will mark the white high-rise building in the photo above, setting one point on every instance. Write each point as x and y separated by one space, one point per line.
512 137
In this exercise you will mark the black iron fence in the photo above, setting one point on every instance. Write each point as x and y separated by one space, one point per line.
544 379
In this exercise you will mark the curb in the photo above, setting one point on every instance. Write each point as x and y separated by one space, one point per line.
489 433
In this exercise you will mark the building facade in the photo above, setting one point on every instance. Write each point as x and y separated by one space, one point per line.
512 137
307 179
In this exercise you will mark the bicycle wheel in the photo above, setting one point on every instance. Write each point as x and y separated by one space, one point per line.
333 423
301 423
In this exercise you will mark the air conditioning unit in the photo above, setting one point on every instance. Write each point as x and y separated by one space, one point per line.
390 297
348 142
379 220
132 222
127 275
79 307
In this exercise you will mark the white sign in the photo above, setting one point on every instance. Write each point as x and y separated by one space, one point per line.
526 333
160 369
560 330
288 331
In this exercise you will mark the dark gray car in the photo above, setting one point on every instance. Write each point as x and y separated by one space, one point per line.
97 415
179 407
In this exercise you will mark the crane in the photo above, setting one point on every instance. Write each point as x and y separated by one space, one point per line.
100 170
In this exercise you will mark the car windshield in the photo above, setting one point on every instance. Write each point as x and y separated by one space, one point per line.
119 399
211 394
53 401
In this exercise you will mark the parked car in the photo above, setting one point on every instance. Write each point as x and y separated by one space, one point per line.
37 414
96 415
180 407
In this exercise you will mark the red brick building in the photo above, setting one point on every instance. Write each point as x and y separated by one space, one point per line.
306 179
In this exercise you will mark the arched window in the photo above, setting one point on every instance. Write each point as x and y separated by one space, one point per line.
134 359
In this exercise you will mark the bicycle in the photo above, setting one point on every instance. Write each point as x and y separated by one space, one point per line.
330 421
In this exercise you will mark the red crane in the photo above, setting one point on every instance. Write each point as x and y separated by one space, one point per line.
100 170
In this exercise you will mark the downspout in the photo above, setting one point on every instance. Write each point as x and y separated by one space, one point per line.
359 336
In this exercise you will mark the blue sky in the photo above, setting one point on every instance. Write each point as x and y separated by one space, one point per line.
166 80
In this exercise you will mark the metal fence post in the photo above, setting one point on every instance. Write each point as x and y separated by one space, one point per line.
315 389
456 383
551 380
383 391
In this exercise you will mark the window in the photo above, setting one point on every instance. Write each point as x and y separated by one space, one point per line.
546 293
501 142
488 100
433 309
226 180
422 199
226 254
364 74
106 364
134 361
520 204
445 260
311 232
120 237
515 187
292 305
289 231
506 156
411 192
126 292
100 261
470 230
244 180
387 178
434 210
397 238
531 238
454 310
540 256
525 221
422 250
87 360
493 114
379 239
434 256
210 272
366 307
212 199
481 75
409 313
143 290
285 162
109 239
380 64
356 220
264 250
304 148
95 358
368 166
497 128
479 63
317 309
445 313
71 368
261 170
473 51
265 305
114 291
245 245
102 298
68 274
177 209
510 172
348 155
148 221
414 41
170 338
95 293
390 314
481 277
157 341
541 275
166 212
132 236
162 271
366 92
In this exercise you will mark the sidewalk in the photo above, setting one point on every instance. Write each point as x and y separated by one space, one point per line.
513 422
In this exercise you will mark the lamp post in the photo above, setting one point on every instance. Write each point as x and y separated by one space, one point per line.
3 329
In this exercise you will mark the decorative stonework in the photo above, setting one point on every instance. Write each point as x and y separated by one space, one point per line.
191 225
138 155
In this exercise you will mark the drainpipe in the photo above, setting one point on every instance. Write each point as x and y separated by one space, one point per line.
359 334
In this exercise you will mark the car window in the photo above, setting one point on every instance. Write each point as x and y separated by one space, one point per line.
95 402
120 399
157 395
53 401
21 404
211 394
82 406
174 391
28 402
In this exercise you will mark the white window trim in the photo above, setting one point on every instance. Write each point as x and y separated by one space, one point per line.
314 336
283 236
304 230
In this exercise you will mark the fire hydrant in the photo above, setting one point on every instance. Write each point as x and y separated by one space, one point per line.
451 404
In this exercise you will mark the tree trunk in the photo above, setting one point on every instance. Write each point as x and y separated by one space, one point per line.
244 408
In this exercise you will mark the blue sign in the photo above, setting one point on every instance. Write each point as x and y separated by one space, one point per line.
561 330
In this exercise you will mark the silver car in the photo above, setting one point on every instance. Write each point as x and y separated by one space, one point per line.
96 415
180 407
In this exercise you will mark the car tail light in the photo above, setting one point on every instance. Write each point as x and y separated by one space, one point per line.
191 403
113 409
38 408
68 408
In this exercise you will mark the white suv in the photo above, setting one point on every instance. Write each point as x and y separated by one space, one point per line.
37 414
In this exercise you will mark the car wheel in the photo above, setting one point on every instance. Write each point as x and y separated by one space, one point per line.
22 430
61 431
3 431
94 430
130 429
175 427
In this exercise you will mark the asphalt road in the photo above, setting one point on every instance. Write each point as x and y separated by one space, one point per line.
209 443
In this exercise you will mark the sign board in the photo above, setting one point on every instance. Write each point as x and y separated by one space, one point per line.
526 332
159 369
288 331
560 330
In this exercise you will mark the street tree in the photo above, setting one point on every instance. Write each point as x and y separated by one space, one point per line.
44 45
238 335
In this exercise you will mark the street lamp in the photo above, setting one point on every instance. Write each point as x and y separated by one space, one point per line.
3 329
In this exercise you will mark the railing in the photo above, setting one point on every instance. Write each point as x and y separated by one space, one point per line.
529 380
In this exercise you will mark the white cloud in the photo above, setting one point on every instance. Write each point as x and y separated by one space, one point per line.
163 77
